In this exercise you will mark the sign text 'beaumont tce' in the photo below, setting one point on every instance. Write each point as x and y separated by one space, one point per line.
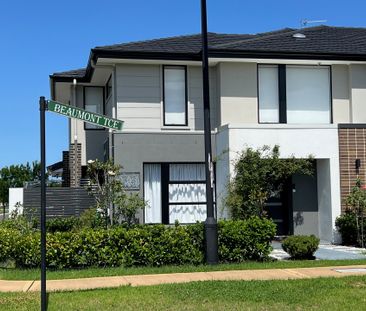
83 115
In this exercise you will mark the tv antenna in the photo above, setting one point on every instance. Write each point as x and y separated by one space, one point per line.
305 22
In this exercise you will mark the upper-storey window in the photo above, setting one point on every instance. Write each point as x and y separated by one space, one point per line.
268 94
175 95
108 88
93 102
294 94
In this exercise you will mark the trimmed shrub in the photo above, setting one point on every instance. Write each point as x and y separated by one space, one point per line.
301 246
347 227
142 245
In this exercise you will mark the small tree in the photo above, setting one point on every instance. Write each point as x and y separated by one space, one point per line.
356 203
112 201
258 174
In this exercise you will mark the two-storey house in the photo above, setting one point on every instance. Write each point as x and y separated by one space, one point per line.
302 89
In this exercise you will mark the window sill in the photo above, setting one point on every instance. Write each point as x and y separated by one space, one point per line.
175 127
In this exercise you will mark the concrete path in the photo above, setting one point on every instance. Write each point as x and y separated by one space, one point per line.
155 279
324 252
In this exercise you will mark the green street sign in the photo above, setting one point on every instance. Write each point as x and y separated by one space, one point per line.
83 115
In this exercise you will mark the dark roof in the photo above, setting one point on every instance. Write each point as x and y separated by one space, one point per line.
321 42
178 44
76 73
322 39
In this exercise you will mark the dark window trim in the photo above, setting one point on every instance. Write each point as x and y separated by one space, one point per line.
185 94
331 93
177 182
282 94
165 176
108 95
188 203
282 91
103 108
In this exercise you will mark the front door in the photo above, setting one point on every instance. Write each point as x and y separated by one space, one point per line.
278 208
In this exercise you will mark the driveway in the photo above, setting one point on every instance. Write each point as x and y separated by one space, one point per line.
325 252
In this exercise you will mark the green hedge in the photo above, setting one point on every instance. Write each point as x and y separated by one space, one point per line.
63 224
144 245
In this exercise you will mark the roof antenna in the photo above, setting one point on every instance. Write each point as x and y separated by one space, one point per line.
305 22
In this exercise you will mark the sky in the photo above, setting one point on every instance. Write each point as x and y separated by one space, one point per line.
42 37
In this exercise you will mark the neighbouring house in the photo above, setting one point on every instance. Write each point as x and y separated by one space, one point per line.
303 89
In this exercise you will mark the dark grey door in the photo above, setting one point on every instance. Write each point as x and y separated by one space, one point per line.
305 205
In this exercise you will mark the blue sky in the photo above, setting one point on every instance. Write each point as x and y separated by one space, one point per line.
42 37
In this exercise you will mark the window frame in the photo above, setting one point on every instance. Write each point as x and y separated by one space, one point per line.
106 93
165 182
282 92
99 128
184 67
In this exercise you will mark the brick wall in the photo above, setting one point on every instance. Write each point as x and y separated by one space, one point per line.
352 146
65 169
75 165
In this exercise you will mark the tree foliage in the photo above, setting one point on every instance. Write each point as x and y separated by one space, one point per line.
15 176
356 203
257 175
113 203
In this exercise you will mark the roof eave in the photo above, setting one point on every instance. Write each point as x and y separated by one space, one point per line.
100 53
216 53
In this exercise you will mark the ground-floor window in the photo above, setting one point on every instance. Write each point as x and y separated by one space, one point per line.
174 192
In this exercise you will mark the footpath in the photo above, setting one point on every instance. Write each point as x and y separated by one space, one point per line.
156 279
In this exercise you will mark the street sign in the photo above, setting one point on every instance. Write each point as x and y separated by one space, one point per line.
83 115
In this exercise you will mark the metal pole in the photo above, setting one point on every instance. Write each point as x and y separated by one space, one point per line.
43 108
211 246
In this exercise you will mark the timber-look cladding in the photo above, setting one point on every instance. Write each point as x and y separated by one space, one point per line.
352 146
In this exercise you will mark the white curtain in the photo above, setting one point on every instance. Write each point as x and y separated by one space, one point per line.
268 93
187 192
179 172
308 94
152 193
175 95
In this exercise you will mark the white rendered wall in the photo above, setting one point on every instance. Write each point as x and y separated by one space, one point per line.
15 198
294 140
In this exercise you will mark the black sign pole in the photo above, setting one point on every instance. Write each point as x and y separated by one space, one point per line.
43 108
210 223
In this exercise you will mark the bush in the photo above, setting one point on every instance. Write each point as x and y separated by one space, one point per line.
301 246
62 224
245 239
142 245
90 218
347 227
8 238
19 223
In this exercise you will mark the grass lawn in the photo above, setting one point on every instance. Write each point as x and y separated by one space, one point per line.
348 293
34 274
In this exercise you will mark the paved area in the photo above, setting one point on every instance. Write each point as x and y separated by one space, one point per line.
325 252
155 279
